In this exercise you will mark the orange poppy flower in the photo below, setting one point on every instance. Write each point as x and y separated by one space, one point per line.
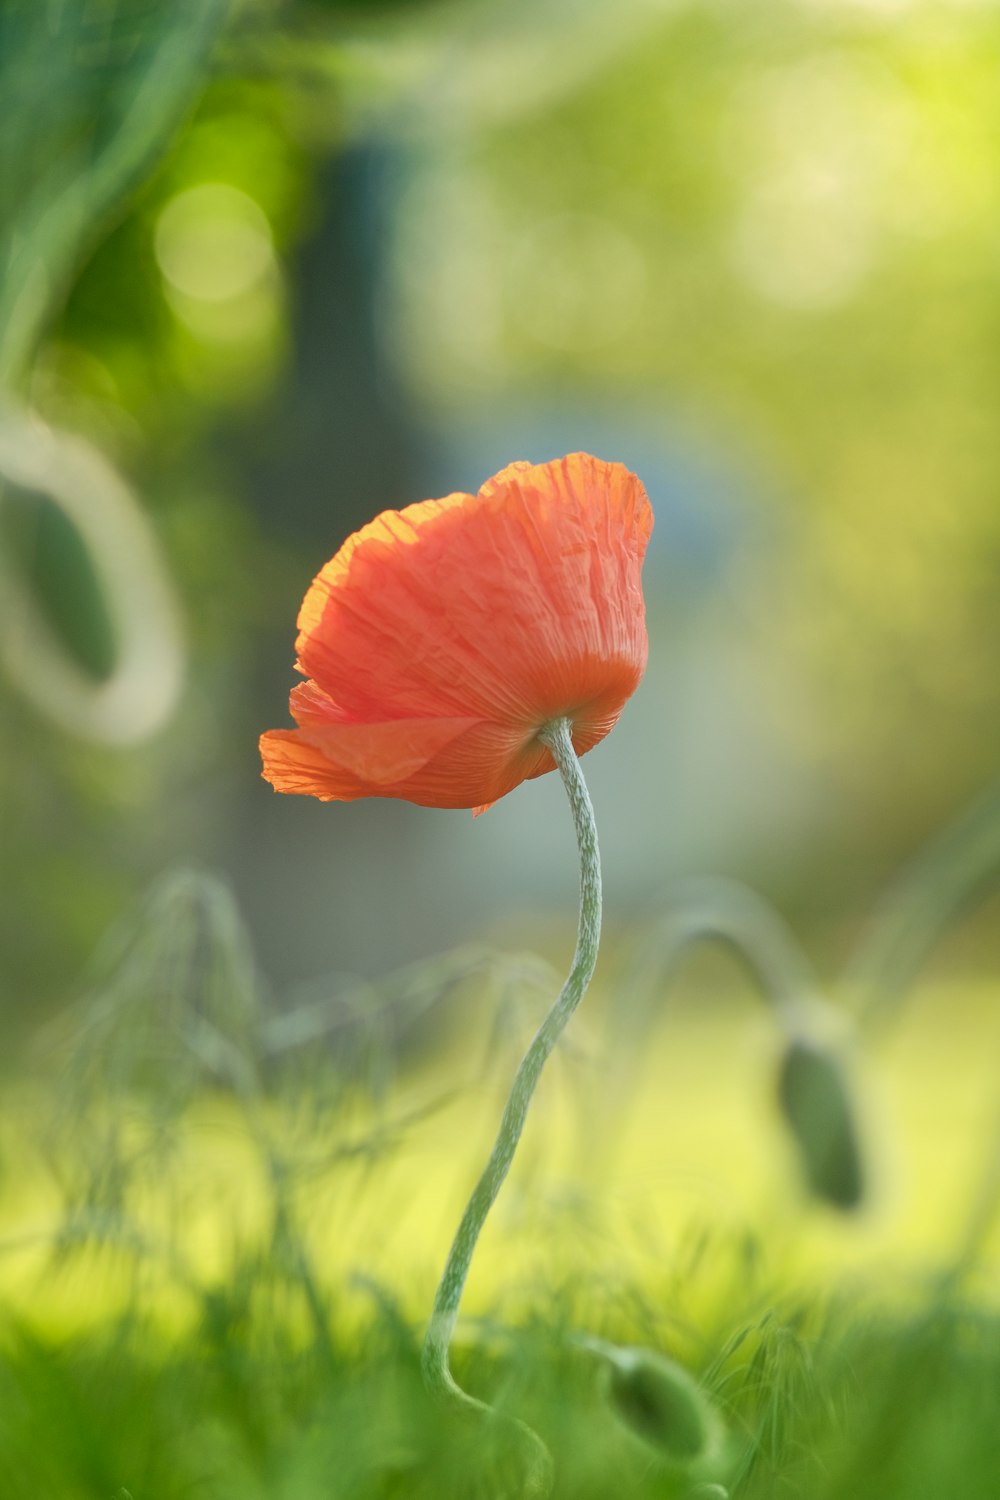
441 638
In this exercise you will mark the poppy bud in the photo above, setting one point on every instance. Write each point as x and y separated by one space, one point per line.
816 1102
661 1404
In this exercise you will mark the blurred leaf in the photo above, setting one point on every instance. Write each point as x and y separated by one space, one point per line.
57 569
116 76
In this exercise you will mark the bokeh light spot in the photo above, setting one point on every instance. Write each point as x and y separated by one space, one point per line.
213 243
818 146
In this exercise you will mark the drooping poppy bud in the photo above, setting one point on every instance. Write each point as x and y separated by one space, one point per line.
816 1101
664 1406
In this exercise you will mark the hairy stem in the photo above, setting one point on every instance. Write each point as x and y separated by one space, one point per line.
437 1374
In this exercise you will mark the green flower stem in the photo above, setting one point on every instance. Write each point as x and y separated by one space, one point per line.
437 1373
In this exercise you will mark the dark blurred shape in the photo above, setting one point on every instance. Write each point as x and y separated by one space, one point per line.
339 444
89 628
816 1102
56 567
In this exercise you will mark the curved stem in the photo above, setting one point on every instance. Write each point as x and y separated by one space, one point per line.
700 911
946 878
735 916
437 1374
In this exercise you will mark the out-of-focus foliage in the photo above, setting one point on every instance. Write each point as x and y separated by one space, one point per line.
381 235
174 315
90 93
880 1408
774 224
221 1229
203 323
281 264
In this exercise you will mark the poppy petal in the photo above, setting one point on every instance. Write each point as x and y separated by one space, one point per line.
441 638
291 764
503 605
474 764
477 768
386 755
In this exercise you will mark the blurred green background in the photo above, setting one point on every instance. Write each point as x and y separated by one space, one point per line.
266 268
377 251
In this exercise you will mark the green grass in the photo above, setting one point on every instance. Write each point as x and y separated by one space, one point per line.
220 1224
835 1403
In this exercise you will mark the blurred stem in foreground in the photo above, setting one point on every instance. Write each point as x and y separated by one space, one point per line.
944 880
437 1373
